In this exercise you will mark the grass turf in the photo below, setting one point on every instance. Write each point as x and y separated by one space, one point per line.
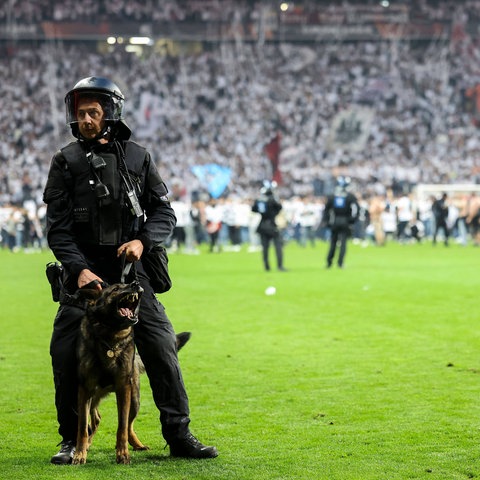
369 372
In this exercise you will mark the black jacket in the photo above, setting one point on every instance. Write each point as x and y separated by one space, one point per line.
341 210
268 207
440 209
72 237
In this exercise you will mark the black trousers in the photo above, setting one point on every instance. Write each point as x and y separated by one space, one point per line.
441 224
277 243
156 343
338 235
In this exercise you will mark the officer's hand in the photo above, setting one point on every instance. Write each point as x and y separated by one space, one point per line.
87 276
133 250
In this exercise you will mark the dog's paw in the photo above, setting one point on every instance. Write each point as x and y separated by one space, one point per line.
123 457
141 447
79 458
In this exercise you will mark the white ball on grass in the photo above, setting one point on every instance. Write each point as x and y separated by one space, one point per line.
270 291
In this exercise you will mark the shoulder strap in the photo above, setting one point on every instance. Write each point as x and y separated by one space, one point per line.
74 154
134 156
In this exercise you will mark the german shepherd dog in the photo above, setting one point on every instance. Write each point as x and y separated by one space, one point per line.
108 363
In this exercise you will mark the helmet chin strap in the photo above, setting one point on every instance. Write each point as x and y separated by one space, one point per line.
105 133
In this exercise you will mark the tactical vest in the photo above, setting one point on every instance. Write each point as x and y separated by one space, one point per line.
101 213
341 212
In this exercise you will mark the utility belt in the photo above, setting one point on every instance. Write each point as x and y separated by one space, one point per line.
341 221
154 262
56 277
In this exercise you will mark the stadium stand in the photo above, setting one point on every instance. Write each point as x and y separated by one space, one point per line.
392 110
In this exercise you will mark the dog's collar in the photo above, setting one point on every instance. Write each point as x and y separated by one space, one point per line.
112 352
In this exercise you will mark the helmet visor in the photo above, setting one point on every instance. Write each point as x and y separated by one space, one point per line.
112 106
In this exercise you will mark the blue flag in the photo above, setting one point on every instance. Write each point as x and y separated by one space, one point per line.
215 177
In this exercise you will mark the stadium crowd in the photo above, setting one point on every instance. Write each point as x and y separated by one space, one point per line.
415 101
28 11
34 11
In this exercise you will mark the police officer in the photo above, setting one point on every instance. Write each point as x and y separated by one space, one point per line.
341 211
269 207
105 198
440 212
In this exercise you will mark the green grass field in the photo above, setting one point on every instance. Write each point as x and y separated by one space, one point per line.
370 372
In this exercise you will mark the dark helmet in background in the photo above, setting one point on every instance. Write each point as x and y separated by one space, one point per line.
107 94
343 182
268 187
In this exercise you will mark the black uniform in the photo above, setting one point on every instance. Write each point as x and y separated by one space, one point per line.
341 211
84 232
440 213
269 207
101 195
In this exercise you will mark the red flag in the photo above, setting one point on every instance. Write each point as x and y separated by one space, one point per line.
272 150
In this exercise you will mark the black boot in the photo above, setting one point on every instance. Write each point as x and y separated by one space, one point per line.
65 455
190 447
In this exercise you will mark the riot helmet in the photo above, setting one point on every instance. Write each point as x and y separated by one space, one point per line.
107 94
268 187
343 182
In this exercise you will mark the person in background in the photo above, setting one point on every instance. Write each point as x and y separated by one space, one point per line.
473 218
268 206
214 223
461 202
440 213
376 207
309 219
197 214
341 211
404 210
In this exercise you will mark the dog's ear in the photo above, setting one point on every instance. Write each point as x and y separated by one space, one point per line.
89 293
90 290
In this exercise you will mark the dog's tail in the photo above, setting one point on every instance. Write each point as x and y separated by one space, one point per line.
182 339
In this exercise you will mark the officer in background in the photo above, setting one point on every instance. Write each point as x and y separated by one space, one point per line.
341 212
440 213
269 207
105 199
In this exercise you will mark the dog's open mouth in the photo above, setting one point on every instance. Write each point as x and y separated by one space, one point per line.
128 306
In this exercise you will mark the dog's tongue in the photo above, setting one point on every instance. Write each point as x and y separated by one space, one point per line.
125 312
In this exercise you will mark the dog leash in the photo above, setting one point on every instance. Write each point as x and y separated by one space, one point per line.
126 268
